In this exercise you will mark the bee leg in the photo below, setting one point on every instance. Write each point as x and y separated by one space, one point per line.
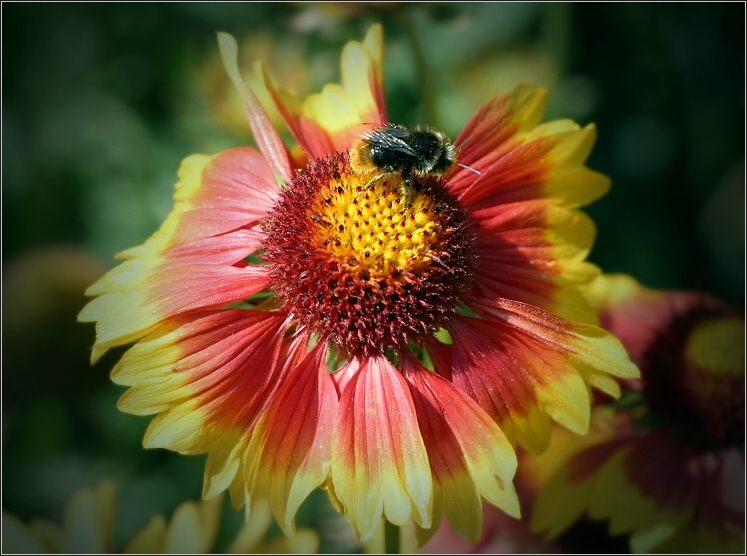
407 187
368 185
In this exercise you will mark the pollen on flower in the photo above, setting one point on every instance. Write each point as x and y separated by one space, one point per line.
364 261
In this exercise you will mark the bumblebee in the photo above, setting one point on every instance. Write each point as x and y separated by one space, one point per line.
411 152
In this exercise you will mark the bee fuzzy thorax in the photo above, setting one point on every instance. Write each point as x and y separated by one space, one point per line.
393 148
360 158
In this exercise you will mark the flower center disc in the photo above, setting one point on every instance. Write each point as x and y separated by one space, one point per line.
694 373
368 261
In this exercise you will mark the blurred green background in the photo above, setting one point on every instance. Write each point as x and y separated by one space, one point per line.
101 102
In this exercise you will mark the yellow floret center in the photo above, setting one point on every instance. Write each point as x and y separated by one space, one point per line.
717 345
376 224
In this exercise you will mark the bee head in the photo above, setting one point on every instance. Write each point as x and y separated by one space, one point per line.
436 153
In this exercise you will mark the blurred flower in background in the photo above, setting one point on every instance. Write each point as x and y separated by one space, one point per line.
101 102
42 290
89 522
671 473
501 534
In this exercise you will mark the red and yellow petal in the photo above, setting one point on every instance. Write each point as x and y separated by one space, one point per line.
233 189
526 366
205 376
308 134
530 242
291 449
331 120
518 381
379 462
519 160
486 135
227 455
596 354
268 140
228 383
469 455
363 88
533 252
219 200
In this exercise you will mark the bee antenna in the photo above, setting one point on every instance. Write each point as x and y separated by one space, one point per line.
470 169
460 145
458 148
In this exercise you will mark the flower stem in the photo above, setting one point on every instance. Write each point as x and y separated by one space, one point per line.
391 538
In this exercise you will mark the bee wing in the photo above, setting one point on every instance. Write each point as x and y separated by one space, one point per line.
363 129
392 138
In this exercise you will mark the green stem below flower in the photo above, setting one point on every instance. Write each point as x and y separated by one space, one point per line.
391 538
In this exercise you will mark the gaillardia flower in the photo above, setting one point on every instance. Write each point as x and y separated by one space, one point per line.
671 474
284 330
